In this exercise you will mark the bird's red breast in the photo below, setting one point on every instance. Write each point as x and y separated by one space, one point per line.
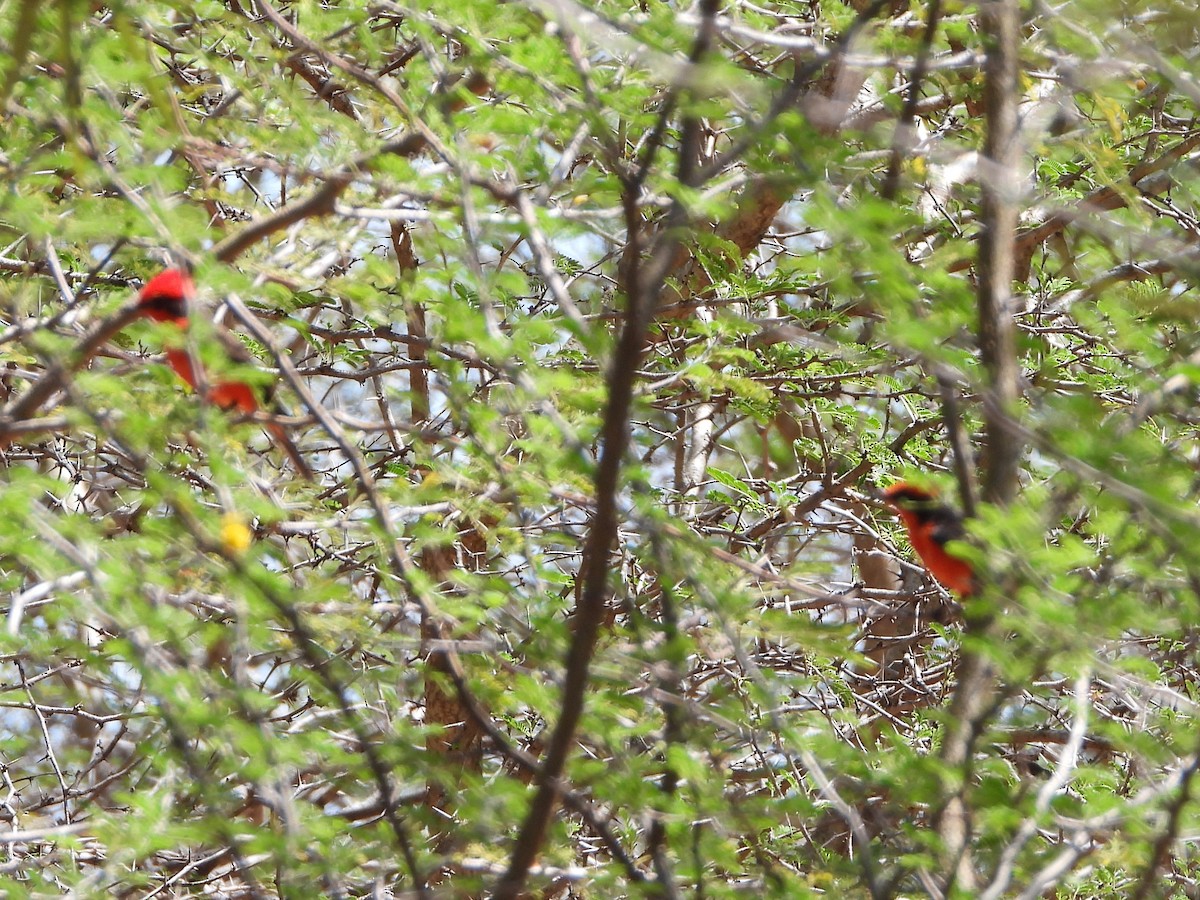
234 395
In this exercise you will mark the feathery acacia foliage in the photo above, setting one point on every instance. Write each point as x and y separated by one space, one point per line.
600 324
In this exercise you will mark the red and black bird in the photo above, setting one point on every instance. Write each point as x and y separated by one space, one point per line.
931 525
165 298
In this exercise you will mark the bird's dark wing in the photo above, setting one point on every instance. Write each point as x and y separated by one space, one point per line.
947 526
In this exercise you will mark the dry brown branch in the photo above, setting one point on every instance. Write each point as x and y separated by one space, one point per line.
56 374
974 694
642 283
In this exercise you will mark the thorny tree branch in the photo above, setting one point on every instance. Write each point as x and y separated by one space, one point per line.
322 201
973 695
57 373
642 286
905 134
404 567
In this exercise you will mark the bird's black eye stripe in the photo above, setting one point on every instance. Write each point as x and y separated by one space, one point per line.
174 307
911 498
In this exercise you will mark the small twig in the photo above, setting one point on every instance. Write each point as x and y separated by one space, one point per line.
36 709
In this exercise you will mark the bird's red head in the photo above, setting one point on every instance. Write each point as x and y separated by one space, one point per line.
164 297
909 499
